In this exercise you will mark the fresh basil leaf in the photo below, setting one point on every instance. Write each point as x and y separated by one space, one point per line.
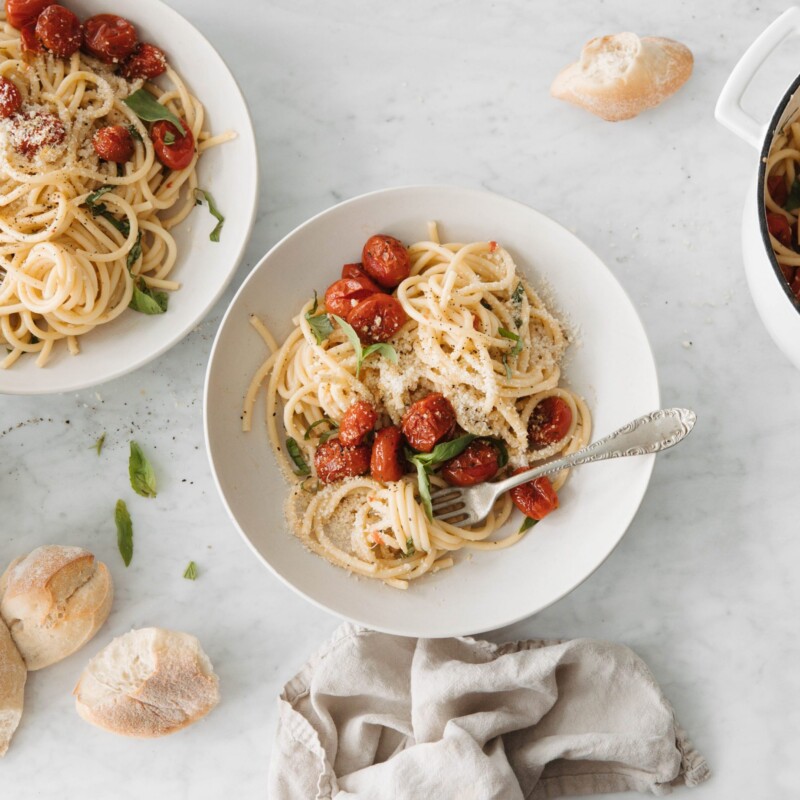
134 131
320 326
331 422
793 199
169 138
146 107
316 303
444 451
98 445
502 451
517 348
146 300
135 253
518 294
384 348
296 455
140 470
214 236
92 199
410 549
505 364
190 573
124 531
527 524
424 485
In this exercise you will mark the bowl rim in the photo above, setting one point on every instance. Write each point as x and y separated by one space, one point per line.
761 207
200 315
647 461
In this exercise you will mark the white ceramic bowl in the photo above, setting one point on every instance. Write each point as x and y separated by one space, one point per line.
612 366
204 268
778 308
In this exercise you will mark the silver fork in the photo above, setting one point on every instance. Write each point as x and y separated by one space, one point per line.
648 434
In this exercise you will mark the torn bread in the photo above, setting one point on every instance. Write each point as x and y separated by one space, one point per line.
621 75
53 601
146 683
12 687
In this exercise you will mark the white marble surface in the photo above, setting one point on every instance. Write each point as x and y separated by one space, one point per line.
353 96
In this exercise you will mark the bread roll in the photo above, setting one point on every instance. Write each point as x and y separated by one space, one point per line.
12 687
149 682
53 601
622 75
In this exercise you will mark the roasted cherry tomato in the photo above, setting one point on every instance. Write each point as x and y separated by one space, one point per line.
109 37
29 41
780 228
344 295
353 271
10 98
172 149
32 131
535 499
428 421
479 462
776 186
114 143
386 260
146 61
377 318
549 422
59 31
333 461
20 13
387 462
356 423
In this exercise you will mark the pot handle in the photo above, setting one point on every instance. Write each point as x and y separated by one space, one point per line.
729 111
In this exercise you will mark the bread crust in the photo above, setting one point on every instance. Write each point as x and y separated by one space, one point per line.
54 600
176 687
621 75
12 687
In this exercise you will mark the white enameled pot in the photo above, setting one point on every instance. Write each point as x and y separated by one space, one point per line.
777 306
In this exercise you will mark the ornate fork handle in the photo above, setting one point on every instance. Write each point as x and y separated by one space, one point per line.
648 434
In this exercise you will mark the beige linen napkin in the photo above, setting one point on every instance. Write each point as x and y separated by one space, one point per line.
383 717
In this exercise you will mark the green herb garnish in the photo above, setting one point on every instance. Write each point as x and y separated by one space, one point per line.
502 452
190 573
146 300
427 462
146 107
518 294
101 210
517 348
135 253
506 365
527 524
98 445
124 531
362 353
410 549
169 138
793 199
320 324
325 434
143 478
134 131
201 193
296 455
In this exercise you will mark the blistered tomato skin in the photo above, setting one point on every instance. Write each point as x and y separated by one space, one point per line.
780 228
109 37
59 31
29 41
387 462
172 149
334 462
147 61
114 143
385 260
10 98
479 462
535 499
428 421
353 271
345 294
776 185
20 13
357 421
549 423
377 318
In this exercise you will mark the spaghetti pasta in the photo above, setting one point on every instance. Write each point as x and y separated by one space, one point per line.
478 334
73 258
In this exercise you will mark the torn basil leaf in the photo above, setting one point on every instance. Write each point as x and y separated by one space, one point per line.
146 300
385 349
297 456
140 470
124 531
190 573
527 524
517 348
793 199
146 107
135 253
201 193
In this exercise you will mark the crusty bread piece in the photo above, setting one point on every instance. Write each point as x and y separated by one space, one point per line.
12 687
620 76
53 601
148 682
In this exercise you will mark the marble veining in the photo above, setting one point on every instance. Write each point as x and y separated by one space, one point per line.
353 96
